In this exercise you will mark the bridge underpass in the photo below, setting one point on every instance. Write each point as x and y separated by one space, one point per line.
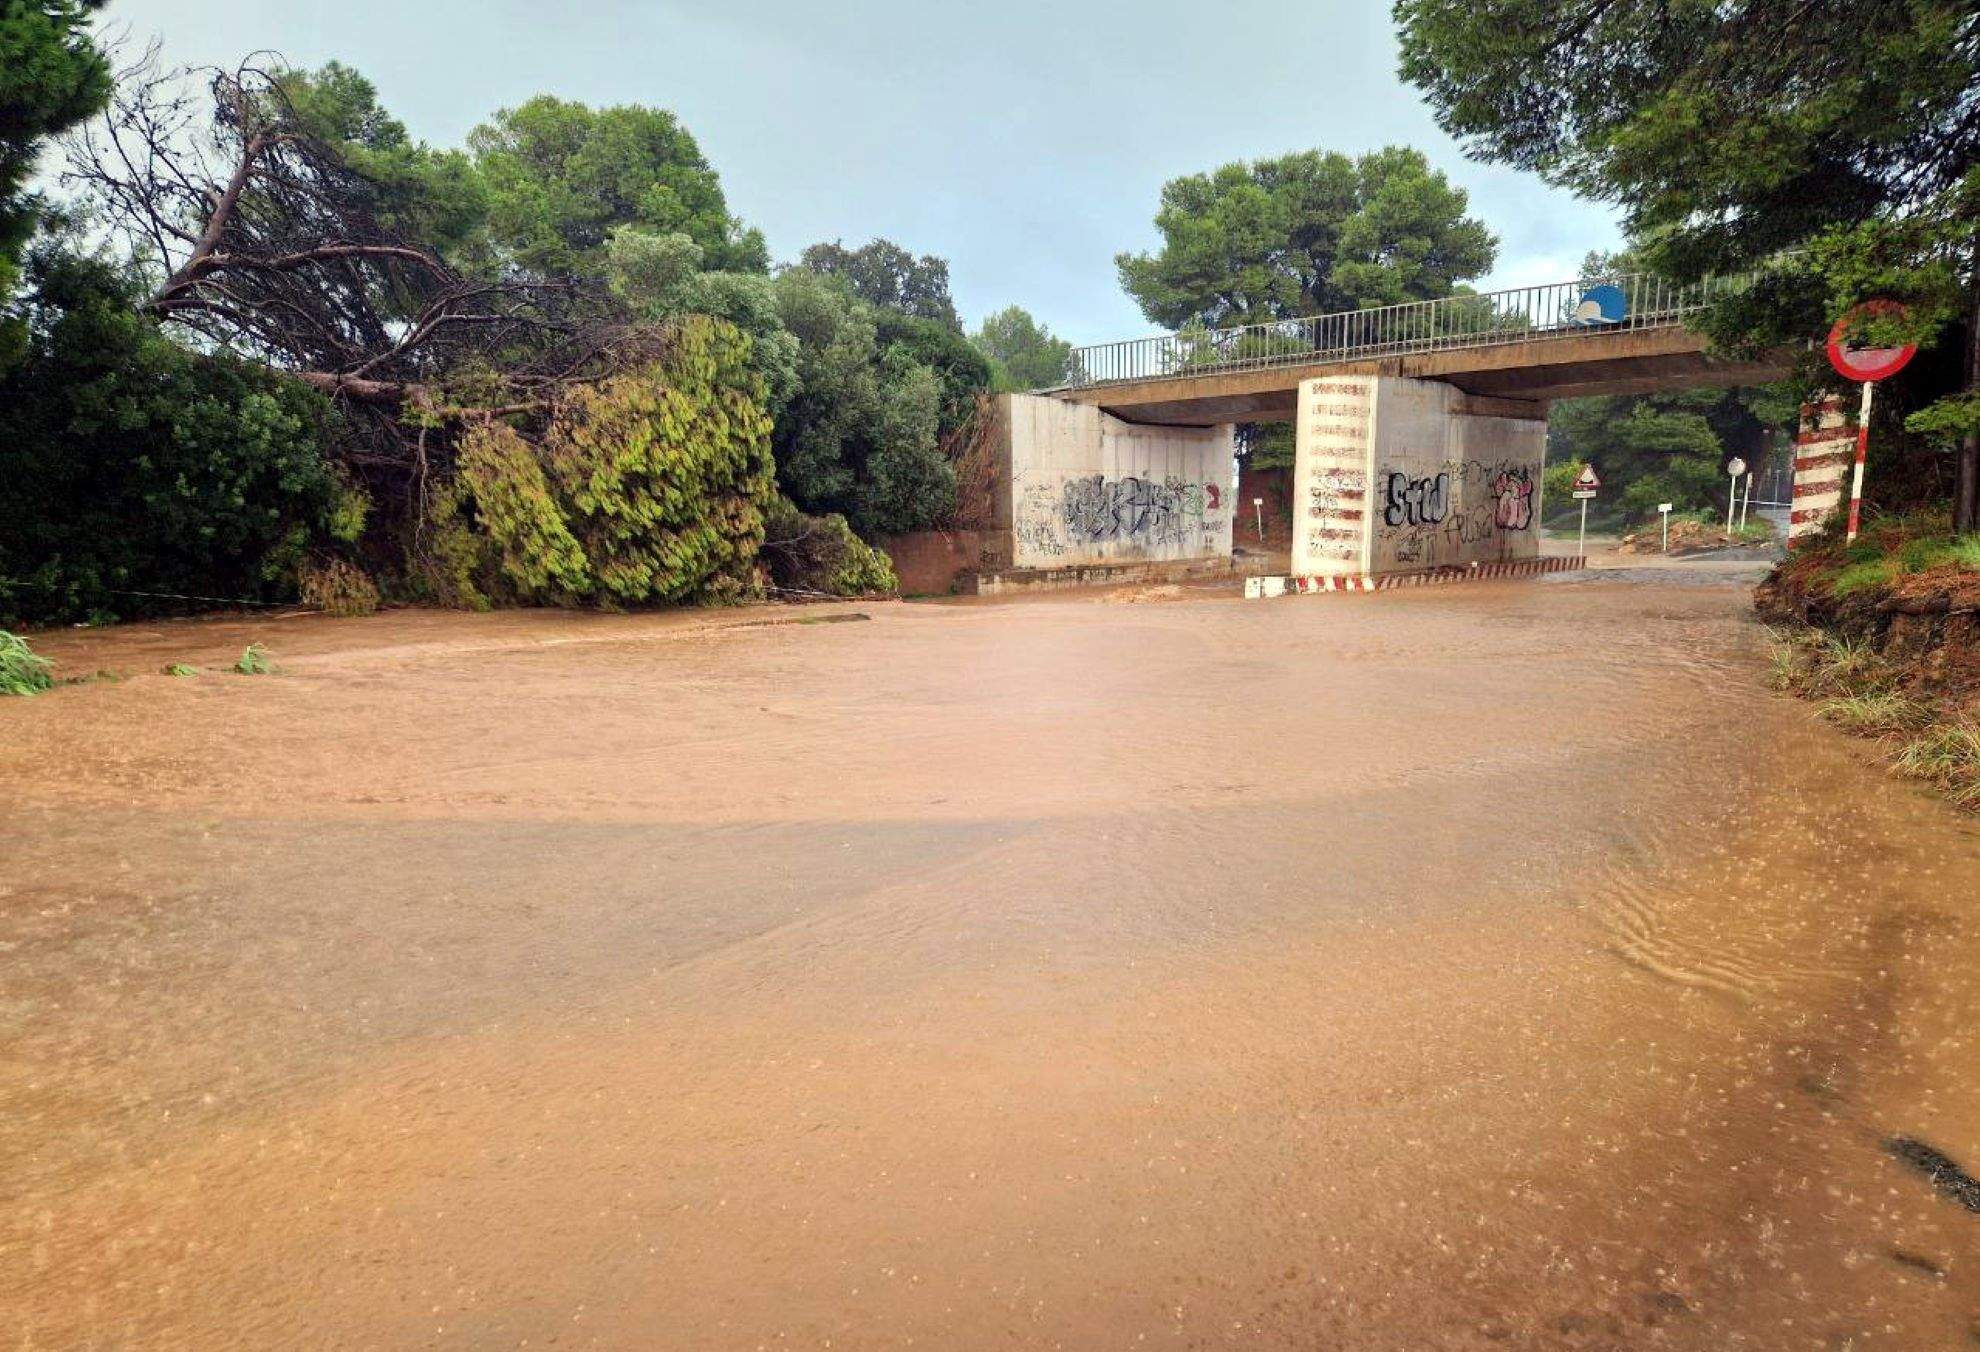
1420 429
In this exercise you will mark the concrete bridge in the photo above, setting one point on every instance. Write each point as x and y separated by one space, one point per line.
1511 351
1420 429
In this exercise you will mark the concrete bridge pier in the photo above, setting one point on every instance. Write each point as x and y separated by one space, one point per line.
1395 474
1082 496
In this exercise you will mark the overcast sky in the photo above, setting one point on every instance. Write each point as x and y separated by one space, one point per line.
1025 142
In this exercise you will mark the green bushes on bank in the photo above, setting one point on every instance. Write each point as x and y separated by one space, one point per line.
648 487
129 463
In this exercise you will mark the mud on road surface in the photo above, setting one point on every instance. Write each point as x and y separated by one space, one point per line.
1465 967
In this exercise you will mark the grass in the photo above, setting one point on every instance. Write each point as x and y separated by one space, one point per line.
22 670
1877 714
1864 575
1964 552
254 661
181 669
1858 692
1948 755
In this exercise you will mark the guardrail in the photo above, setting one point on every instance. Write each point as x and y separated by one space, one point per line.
1557 309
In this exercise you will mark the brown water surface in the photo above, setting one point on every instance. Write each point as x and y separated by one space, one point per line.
1467 967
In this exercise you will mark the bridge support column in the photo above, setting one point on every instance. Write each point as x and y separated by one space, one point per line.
1079 488
1398 475
1823 454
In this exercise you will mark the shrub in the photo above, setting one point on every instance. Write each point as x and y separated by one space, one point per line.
131 464
649 486
338 588
254 661
22 670
821 554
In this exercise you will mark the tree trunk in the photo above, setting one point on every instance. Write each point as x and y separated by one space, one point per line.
1966 471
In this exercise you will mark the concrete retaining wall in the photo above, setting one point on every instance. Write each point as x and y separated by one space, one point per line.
1394 476
1084 488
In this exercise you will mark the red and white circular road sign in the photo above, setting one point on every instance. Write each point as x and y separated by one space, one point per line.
1867 363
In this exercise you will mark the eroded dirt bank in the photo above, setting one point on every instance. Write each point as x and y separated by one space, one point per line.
1456 968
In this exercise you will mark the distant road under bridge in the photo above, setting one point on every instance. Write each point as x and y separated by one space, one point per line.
1510 353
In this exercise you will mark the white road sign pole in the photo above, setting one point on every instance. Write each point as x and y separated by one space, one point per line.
1585 485
1746 500
1736 468
1258 506
1664 510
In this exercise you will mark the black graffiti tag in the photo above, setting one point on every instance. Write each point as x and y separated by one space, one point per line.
1417 502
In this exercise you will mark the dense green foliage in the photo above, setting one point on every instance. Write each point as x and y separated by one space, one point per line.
961 371
130 464
1661 447
562 176
1730 133
22 670
821 554
650 486
437 197
661 277
51 77
862 437
1023 353
885 275
1305 234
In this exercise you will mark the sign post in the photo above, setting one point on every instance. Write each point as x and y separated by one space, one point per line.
1869 365
1746 500
1736 468
1585 486
1664 510
1258 507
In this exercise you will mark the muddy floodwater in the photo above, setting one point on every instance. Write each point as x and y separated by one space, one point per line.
1497 965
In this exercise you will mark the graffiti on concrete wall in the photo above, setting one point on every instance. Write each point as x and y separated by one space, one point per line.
1144 511
1076 515
1512 495
1336 503
1466 503
1417 502
1337 496
1037 525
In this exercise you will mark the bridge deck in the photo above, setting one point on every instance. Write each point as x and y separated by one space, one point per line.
1512 379
1513 351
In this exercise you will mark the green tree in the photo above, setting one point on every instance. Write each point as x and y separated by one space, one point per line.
1662 447
436 197
961 372
562 176
130 464
883 274
51 76
862 435
1731 133
1306 233
1023 353
649 486
661 277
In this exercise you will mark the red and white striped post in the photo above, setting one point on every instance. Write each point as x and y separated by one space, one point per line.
1862 454
1869 365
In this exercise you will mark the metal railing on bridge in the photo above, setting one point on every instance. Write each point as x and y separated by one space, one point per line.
1556 310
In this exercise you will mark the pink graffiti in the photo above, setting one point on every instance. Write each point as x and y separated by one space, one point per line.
1513 493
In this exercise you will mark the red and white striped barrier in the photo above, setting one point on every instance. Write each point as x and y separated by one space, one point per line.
1283 586
1823 454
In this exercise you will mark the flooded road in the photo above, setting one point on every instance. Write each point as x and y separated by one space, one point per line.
1497 965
